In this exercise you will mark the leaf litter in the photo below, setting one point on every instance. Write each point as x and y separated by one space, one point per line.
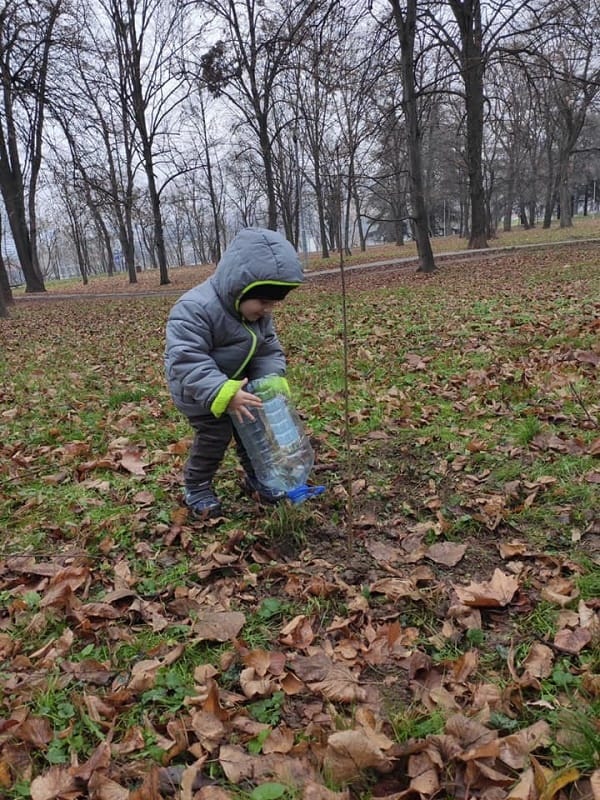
284 657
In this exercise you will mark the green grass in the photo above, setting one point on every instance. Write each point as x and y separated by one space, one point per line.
471 422
412 723
578 740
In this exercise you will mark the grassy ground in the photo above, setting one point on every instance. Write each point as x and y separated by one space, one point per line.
428 627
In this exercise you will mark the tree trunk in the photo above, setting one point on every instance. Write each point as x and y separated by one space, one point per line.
359 223
347 209
3 307
548 207
523 215
564 189
104 235
214 204
474 91
510 195
321 212
17 220
468 17
267 156
406 33
159 235
77 235
157 223
550 199
6 295
36 139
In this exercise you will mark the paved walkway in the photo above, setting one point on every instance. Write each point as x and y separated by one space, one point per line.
454 255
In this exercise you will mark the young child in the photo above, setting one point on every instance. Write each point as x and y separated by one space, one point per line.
219 336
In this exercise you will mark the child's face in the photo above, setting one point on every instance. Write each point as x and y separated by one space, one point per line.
255 308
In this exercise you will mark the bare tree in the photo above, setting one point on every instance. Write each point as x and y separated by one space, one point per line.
469 52
245 192
93 114
148 37
474 36
406 22
575 83
6 295
204 158
26 41
388 184
587 163
247 61
314 59
84 181
206 243
353 86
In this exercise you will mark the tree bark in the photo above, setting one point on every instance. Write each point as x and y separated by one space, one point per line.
133 62
214 201
406 26
266 151
17 220
38 128
564 189
6 295
319 200
17 59
468 17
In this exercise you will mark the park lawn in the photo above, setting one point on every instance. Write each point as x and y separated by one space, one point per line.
586 229
428 627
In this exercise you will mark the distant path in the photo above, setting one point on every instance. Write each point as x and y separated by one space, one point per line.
385 265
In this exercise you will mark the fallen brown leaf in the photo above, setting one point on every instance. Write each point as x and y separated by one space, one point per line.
218 626
56 782
572 641
446 553
498 592
349 753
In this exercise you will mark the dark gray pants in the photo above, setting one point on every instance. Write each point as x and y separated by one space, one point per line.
211 439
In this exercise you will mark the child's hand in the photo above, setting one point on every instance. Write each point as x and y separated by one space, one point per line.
240 401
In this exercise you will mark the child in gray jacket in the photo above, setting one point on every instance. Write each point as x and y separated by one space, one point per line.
219 336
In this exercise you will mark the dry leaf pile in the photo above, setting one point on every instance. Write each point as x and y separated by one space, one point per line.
350 673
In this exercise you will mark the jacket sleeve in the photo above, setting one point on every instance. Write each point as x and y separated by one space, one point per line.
189 343
269 357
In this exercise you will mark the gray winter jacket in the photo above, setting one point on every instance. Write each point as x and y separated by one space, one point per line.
210 348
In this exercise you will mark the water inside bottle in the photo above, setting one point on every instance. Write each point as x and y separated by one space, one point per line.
275 442
280 422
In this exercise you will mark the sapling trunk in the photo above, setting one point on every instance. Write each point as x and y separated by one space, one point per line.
347 432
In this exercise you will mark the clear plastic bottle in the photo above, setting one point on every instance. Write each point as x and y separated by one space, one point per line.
277 446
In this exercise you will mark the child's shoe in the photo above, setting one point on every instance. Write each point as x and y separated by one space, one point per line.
261 493
201 500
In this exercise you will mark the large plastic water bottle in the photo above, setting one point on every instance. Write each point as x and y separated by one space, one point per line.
275 441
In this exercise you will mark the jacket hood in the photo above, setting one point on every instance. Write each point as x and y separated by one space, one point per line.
255 256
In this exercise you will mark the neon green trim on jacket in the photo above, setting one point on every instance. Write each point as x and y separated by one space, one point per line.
291 284
244 364
224 396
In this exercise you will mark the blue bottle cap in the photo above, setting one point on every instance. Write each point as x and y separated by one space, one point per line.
304 492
